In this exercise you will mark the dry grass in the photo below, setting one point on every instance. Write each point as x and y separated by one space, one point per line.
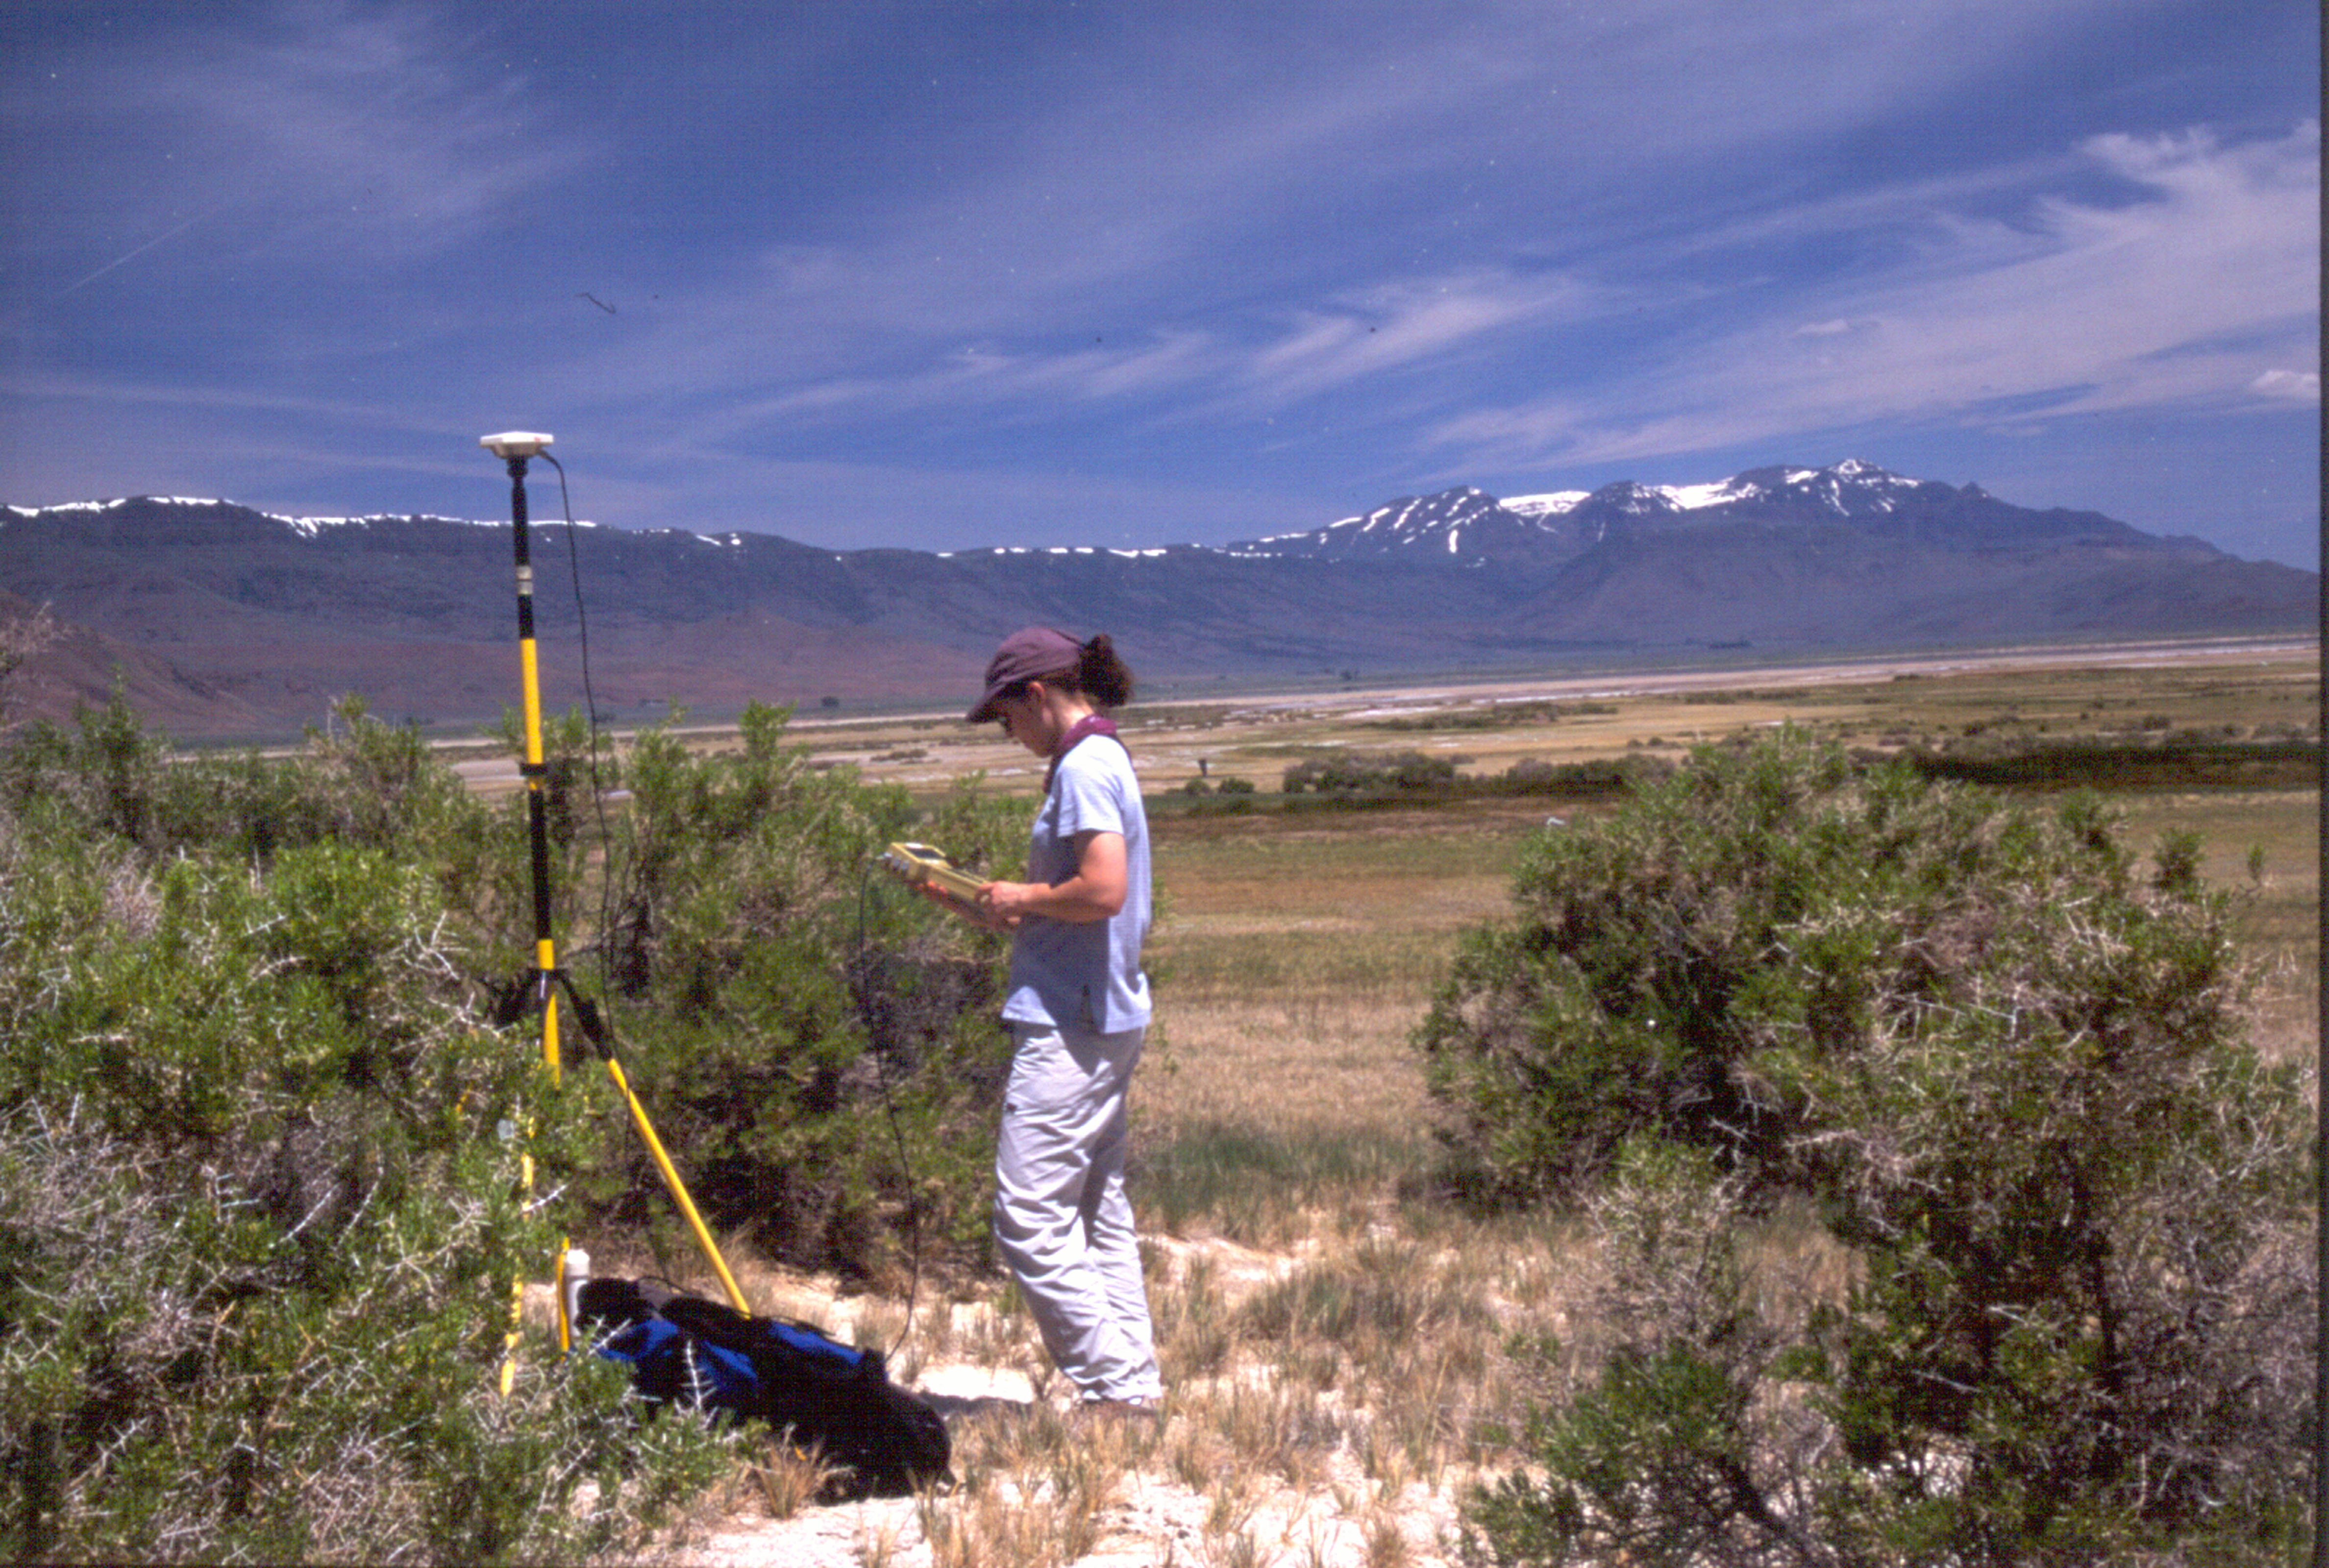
2264 846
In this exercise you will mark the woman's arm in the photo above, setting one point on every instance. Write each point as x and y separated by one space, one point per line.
1096 892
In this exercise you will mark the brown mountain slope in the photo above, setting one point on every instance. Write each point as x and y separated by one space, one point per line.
225 622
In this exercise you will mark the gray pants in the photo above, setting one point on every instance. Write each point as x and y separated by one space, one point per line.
1061 1216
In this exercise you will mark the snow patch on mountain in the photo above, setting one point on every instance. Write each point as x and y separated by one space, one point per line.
115 505
1553 503
307 527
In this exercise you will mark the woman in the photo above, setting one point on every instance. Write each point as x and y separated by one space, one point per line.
1078 1008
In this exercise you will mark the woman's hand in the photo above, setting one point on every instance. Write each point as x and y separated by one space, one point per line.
977 914
1005 903
1096 892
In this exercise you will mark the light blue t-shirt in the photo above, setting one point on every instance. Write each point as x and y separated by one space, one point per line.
1086 974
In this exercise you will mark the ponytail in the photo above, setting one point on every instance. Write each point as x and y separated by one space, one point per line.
1101 675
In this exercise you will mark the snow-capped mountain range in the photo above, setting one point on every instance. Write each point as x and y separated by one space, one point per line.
222 619
1470 526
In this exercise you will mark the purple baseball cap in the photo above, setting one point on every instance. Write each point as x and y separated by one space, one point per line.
1031 653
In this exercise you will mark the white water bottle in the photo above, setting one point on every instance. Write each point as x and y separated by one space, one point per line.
573 1273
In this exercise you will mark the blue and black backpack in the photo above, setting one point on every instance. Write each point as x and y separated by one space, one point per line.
832 1398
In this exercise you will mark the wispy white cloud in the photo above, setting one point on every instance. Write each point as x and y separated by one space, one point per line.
131 255
2299 386
1411 322
313 127
2191 292
1250 367
70 390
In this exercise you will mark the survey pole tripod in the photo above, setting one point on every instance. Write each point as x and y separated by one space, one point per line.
515 449
541 988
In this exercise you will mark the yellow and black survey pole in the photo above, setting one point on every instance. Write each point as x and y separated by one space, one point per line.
516 448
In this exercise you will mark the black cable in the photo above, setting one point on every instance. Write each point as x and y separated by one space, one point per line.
591 720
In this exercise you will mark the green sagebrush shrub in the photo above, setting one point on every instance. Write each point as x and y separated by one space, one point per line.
2002 1062
1360 771
816 1045
362 783
259 1228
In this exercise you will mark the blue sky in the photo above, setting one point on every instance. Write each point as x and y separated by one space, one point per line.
946 275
